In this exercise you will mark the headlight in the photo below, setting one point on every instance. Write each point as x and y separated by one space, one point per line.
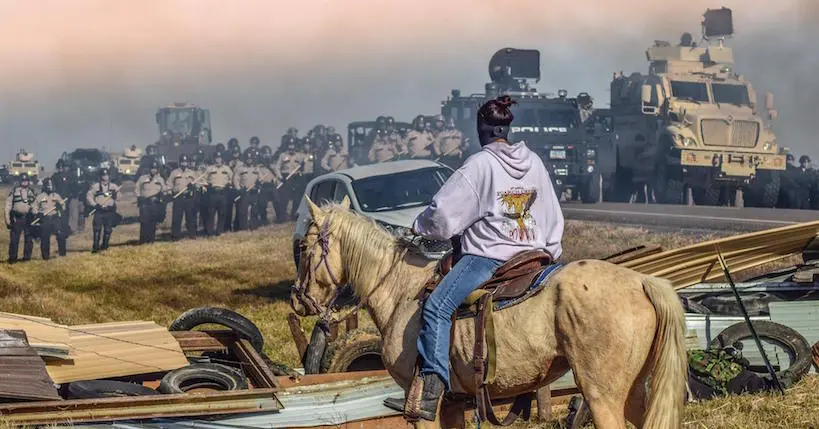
688 142
30 173
105 164
398 231
590 168
591 153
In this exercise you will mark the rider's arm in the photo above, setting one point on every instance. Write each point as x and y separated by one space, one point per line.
454 208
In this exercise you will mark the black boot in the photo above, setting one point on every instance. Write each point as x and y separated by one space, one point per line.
95 247
61 247
425 404
105 239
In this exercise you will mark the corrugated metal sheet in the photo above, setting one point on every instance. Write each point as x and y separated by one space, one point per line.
22 372
802 316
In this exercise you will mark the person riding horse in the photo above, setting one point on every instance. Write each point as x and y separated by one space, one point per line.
501 202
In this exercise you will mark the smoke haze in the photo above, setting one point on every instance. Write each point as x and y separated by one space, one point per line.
91 73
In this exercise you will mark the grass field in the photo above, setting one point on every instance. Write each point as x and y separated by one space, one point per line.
251 272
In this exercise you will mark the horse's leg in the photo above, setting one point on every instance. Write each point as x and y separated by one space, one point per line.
452 414
636 402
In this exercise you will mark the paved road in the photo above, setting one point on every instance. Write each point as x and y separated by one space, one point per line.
697 217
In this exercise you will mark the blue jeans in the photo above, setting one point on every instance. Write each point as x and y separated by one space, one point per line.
433 340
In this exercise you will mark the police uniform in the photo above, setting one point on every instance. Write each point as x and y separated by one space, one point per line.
183 180
217 180
334 159
149 189
49 207
382 149
18 215
103 198
246 183
289 163
267 183
419 144
231 223
449 147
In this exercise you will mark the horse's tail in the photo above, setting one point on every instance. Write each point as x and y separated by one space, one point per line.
670 363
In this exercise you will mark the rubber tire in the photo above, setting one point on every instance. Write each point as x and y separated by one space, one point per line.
755 305
784 336
766 189
106 389
673 189
315 350
202 375
220 316
706 196
591 189
355 344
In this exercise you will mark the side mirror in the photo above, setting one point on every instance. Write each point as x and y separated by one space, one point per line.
645 94
769 101
157 117
773 114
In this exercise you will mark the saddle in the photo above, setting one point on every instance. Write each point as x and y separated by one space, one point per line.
516 280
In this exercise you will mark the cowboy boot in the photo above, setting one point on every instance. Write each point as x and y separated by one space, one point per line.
95 247
106 237
424 397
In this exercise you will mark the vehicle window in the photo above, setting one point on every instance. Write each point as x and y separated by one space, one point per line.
323 192
400 190
17 164
30 165
559 118
125 162
694 91
730 94
341 192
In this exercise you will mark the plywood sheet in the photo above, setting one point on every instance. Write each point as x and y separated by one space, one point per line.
22 372
46 337
698 263
117 349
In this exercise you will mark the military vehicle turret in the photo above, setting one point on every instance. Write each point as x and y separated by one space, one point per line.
556 127
183 128
24 164
693 123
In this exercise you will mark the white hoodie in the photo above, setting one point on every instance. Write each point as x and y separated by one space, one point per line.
502 202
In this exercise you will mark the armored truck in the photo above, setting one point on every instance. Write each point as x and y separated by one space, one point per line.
555 127
183 129
690 127
24 164
128 163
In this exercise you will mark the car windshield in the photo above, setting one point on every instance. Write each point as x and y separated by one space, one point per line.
88 156
30 165
399 190
549 120
693 91
177 121
730 94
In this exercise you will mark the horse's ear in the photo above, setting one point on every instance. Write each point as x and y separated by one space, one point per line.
315 211
346 202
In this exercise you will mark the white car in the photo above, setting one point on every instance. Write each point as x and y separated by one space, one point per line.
392 193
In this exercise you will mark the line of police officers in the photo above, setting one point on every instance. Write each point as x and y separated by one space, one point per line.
436 139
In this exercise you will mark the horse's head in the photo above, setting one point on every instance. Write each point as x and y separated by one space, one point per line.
321 274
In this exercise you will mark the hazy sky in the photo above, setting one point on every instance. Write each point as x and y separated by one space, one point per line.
91 73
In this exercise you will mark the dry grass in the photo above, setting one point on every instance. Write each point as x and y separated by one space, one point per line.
251 273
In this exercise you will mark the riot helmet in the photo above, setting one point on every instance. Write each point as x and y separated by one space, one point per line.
450 123
789 158
235 152
390 122
218 157
804 160
292 131
254 141
184 160
150 150
418 123
48 185
104 174
24 180
220 147
154 166
439 122
381 122
585 101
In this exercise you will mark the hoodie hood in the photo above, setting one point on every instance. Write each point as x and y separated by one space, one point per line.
516 158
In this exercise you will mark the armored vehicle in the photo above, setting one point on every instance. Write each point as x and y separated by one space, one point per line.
692 123
183 128
556 127
24 164
128 163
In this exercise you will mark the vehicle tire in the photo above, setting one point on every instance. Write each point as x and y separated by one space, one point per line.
202 375
794 343
220 316
667 189
707 196
727 305
591 189
815 350
766 189
358 350
106 389
315 349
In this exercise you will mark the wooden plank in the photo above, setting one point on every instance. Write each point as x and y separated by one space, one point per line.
118 349
23 374
141 407
204 341
44 336
255 367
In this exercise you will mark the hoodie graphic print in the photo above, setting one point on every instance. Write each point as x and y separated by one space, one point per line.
501 201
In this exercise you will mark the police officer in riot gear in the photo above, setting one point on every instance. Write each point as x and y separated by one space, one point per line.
420 141
234 164
450 145
267 183
18 216
439 126
233 144
48 209
149 190
335 158
246 183
382 149
102 196
254 145
586 105
286 169
217 181
182 183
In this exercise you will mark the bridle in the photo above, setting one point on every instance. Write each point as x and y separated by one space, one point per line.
300 289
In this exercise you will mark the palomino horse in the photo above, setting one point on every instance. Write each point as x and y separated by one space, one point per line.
621 332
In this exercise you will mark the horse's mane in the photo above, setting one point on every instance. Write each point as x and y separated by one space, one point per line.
363 241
